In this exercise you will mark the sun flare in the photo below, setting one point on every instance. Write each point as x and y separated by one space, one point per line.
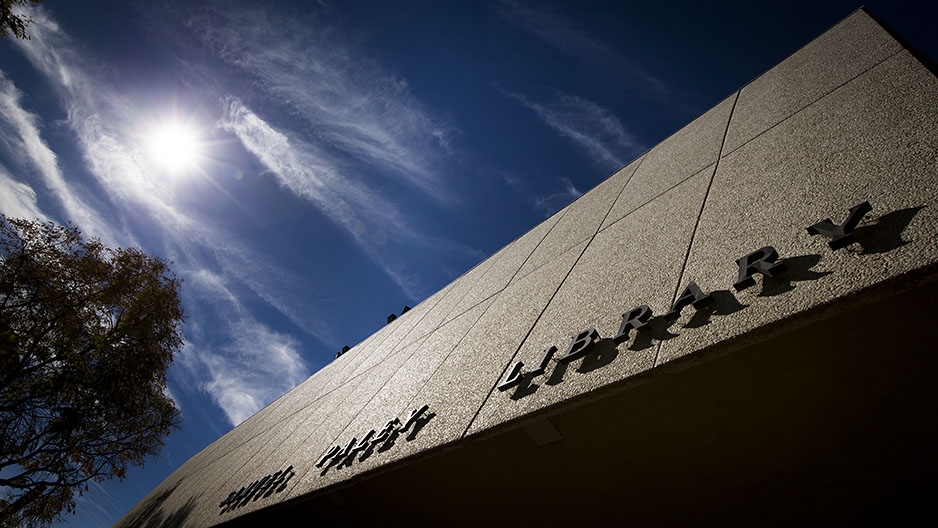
175 146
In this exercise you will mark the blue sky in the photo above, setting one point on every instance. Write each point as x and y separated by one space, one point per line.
346 158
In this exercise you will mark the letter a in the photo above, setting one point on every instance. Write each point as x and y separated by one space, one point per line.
691 295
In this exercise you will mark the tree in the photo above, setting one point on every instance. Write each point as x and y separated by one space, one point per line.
87 333
12 21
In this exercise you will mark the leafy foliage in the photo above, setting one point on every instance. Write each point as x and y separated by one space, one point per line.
86 335
9 20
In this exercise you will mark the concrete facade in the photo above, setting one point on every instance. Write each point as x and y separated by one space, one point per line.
811 392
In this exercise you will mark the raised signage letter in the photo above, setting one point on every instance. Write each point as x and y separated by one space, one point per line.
580 345
386 431
329 454
636 318
364 442
545 360
414 416
762 261
347 450
841 235
513 378
691 295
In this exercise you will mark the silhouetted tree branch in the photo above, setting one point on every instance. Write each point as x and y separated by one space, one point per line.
87 333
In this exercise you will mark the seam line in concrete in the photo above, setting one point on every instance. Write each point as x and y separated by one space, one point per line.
622 190
703 204
810 103
544 309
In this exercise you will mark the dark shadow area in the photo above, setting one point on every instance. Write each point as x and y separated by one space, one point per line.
827 425
799 270
526 387
556 376
151 514
658 329
389 443
724 303
174 519
886 234
419 424
601 354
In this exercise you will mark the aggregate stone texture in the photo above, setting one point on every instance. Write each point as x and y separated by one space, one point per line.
465 378
445 309
397 333
276 453
874 139
229 476
310 432
227 473
395 400
304 453
237 436
634 261
580 220
852 47
297 424
350 363
677 158
850 117
505 265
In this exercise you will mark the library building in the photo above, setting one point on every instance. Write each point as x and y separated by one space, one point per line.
738 327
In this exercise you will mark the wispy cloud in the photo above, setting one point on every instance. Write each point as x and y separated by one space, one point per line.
17 199
314 175
557 31
349 102
95 115
592 128
101 505
248 365
546 204
244 364
20 136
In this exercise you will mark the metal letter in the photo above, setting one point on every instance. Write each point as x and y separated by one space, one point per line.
364 442
266 482
580 345
329 454
414 415
386 431
513 378
284 479
545 360
227 500
760 261
636 318
347 450
841 235
691 295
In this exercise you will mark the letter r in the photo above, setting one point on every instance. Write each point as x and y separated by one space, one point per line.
764 261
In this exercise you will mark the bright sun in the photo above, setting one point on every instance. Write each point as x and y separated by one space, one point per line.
175 146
